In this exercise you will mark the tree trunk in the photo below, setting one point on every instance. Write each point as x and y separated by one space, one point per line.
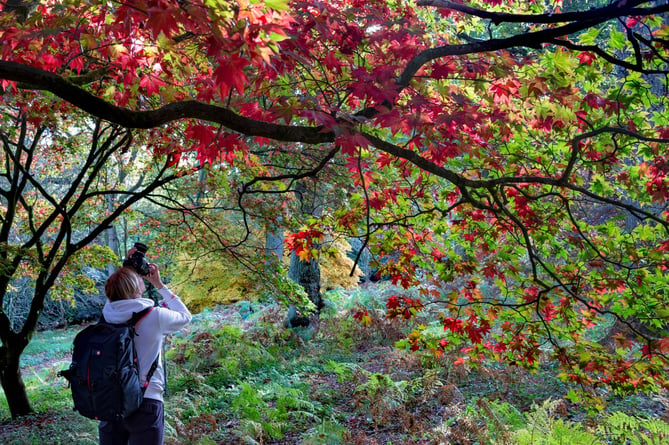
274 244
11 380
359 253
114 244
14 343
308 275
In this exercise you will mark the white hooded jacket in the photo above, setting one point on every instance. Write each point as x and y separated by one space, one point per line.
170 316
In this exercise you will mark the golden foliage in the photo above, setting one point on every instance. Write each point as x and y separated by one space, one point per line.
336 268
209 283
218 281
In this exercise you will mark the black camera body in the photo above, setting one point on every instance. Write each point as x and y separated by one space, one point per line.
138 260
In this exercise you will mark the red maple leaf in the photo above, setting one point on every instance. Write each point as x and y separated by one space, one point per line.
77 64
385 160
586 58
393 302
52 61
452 324
230 74
377 201
151 83
162 19
443 70
231 146
648 350
476 333
350 142
201 134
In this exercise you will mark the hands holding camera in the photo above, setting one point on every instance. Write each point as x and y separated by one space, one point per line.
154 276
149 271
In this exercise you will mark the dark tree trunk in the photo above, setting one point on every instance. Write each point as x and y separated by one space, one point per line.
15 342
10 377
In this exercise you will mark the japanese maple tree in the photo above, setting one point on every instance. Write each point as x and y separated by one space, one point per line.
508 158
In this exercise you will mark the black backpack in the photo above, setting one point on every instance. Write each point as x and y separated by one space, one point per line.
104 373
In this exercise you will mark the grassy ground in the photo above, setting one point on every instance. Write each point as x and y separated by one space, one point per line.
236 376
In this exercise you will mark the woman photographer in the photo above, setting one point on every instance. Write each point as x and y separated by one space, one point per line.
124 290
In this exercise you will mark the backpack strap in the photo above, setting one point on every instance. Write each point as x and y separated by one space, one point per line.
149 374
136 317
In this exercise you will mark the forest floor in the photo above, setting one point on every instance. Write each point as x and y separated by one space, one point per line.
237 376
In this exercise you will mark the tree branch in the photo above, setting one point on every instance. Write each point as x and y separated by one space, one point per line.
43 80
529 40
293 176
616 9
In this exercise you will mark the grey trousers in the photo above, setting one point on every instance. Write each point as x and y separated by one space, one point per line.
144 427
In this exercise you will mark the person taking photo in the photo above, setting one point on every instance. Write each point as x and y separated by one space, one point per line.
124 290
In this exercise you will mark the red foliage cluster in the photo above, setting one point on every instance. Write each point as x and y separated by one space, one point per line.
303 242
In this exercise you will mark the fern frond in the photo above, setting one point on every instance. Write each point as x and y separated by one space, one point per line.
544 429
327 433
633 430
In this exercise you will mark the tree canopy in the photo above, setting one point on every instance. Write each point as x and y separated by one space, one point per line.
508 158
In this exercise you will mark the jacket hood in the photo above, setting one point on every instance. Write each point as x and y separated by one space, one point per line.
120 311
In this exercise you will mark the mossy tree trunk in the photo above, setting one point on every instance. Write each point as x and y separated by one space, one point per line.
308 273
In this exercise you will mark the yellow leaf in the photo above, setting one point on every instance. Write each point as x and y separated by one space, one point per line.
304 255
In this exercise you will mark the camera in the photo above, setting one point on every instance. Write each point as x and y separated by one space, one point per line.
138 260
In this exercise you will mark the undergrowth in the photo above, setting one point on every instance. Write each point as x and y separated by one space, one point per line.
238 376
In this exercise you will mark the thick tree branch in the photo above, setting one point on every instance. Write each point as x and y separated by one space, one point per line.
528 40
615 9
579 21
193 109
43 80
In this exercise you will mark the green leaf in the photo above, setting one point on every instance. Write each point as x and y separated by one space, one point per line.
564 61
277 5
617 39
276 37
573 396
600 185
589 37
